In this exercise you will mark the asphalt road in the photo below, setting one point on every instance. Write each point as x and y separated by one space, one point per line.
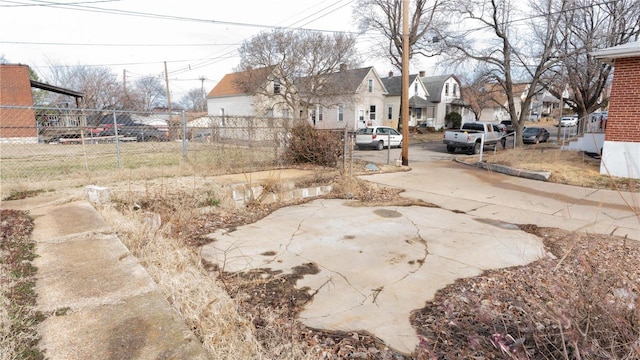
436 150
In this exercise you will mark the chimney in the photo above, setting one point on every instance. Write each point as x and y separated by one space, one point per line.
422 73
343 67
390 73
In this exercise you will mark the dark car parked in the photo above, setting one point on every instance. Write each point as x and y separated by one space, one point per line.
140 131
509 125
534 135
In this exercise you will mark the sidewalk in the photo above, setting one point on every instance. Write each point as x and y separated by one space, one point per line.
112 308
516 200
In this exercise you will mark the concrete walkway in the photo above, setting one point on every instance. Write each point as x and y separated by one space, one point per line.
108 306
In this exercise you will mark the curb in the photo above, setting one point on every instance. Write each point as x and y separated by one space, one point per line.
527 174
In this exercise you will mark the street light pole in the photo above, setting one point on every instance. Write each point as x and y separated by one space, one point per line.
404 107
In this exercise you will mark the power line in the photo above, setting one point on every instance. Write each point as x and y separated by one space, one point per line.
20 4
109 44
95 9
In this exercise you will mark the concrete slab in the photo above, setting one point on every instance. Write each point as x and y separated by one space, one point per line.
108 306
521 201
377 264
88 270
138 327
56 221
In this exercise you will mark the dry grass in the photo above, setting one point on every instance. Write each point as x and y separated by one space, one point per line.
566 167
18 317
206 308
582 302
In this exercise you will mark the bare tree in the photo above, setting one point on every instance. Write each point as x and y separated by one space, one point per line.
587 26
100 85
194 100
294 64
385 17
148 92
478 93
511 49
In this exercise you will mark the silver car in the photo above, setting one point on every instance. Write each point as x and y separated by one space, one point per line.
378 137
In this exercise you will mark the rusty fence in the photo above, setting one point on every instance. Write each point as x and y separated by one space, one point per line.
52 145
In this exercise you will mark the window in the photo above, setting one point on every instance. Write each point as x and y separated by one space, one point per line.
319 112
446 89
455 89
340 112
418 112
370 85
361 115
389 112
276 86
415 88
372 112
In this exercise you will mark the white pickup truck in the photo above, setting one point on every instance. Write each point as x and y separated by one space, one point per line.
469 136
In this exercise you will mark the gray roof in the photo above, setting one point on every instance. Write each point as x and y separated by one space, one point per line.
343 81
418 102
434 85
394 84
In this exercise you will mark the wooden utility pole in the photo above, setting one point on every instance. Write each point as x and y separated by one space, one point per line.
202 79
166 79
404 107
124 88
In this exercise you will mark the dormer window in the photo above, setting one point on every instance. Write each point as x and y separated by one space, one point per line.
446 89
455 89
276 86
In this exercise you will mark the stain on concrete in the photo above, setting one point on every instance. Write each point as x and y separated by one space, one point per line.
386 213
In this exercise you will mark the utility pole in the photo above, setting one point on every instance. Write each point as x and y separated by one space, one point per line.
404 107
202 79
166 79
124 86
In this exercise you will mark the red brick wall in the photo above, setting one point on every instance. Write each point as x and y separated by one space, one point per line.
623 123
15 90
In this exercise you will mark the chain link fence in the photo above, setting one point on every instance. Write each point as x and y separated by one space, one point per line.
40 146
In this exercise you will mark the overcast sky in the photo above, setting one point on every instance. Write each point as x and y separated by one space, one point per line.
197 38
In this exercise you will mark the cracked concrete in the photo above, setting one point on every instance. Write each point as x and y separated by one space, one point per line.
378 264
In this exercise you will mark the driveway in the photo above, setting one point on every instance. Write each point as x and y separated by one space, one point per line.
378 264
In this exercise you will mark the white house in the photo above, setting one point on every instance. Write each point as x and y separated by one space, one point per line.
357 100
418 104
444 97
257 92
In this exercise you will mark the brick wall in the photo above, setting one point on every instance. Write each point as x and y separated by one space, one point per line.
623 123
15 90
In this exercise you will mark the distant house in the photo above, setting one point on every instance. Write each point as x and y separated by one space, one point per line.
444 97
621 149
542 104
17 117
358 100
418 94
257 92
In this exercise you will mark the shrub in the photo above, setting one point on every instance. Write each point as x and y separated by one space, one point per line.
313 146
454 119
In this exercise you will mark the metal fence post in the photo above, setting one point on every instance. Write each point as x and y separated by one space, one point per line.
115 129
185 153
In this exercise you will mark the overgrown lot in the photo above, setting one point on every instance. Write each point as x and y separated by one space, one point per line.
580 302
